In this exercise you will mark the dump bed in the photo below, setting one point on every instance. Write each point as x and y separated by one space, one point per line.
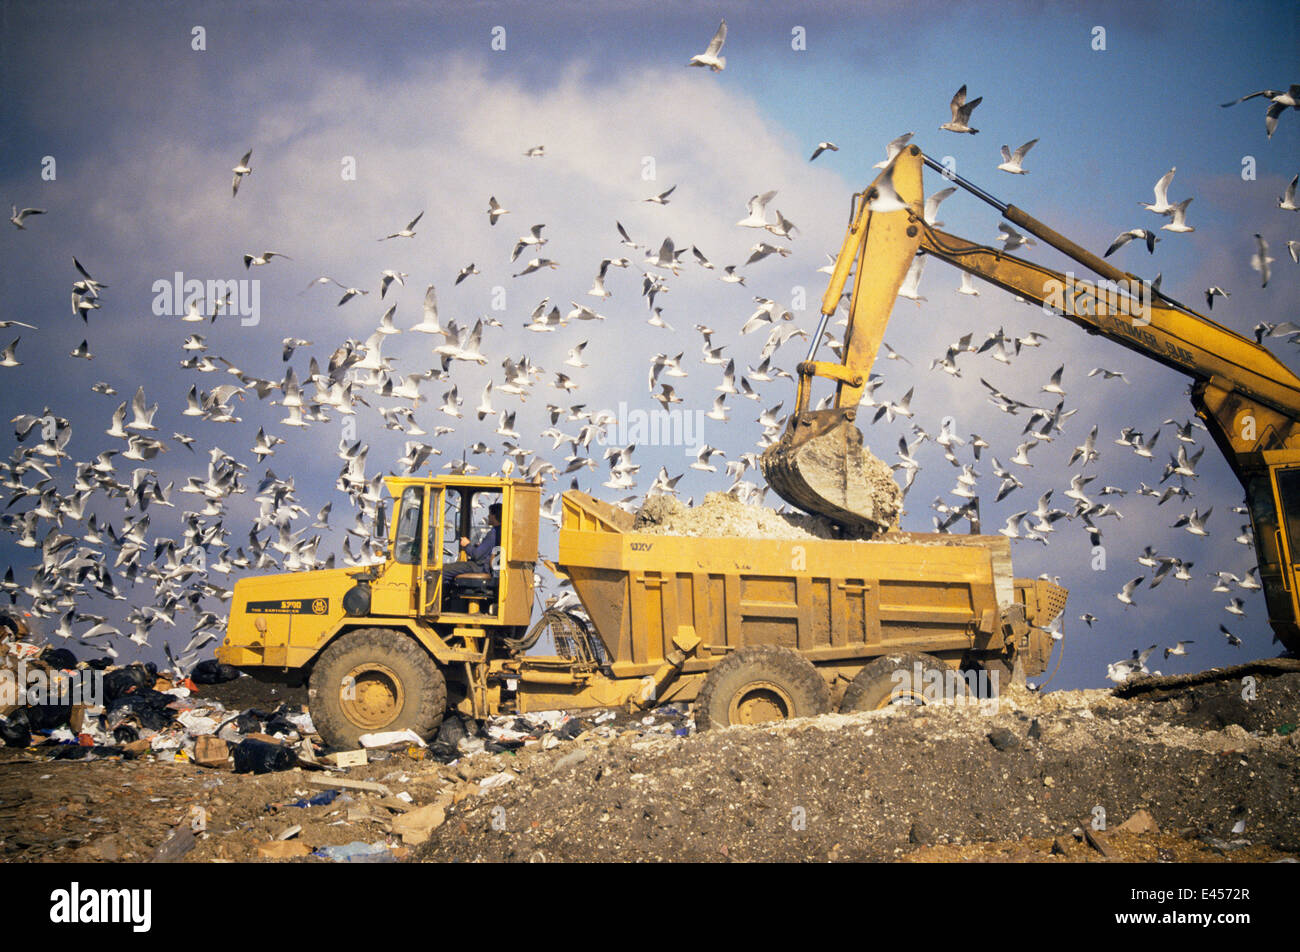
831 600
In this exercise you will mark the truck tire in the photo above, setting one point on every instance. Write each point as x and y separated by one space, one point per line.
760 683
375 679
892 679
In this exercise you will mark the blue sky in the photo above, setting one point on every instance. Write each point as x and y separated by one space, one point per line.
144 130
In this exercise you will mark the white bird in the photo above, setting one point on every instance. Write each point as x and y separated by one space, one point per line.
1287 201
910 288
1011 238
702 458
1180 648
823 147
710 57
240 171
263 258
1161 205
894 147
961 110
7 358
1260 260
1179 224
1012 162
1212 292
408 231
661 198
17 216
1125 237
1126 595
1279 101
932 205
429 323
536 152
494 210
757 217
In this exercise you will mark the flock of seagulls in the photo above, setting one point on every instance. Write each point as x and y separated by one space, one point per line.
89 521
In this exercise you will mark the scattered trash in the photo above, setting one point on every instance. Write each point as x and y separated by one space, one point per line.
283 849
391 738
347 758
260 757
496 780
325 798
357 852
213 671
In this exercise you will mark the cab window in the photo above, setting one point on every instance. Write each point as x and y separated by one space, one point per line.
406 547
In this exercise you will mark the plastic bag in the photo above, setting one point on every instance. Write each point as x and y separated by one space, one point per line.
259 757
213 671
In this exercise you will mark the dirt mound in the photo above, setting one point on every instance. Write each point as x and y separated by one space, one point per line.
1019 780
722 514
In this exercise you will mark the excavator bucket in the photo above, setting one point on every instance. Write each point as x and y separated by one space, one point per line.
821 466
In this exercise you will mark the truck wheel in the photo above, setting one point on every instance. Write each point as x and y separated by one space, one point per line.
760 683
375 679
896 679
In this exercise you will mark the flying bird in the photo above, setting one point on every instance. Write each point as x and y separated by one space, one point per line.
823 147
240 171
408 231
710 57
1012 162
961 110
17 217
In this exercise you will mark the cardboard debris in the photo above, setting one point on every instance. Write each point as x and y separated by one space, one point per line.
415 827
283 849
211 751
347 758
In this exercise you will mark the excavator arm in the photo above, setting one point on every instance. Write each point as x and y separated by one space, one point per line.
1248 399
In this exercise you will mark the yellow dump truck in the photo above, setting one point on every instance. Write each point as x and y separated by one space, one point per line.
748 629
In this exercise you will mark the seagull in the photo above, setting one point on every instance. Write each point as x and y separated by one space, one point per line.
536 152
823 147
1260 260
894 147
407 232
534 237
1162 206
1121 671
710 57
17 216
1233 640
1278 99
1126 595
263 258
466 271
1179 224
1087 618
1287 201
7 358
932 205
430 325
661 198
1125 237
961 110
386 278
1212 293
240 171
1011 238
757 217
1012 162
1180 648
494 210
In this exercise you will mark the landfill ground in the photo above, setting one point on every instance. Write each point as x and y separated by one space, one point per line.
1216 774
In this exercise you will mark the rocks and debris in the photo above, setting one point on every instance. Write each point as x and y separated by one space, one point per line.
924 783
721 514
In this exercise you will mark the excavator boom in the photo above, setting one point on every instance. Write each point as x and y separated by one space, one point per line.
1248 399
